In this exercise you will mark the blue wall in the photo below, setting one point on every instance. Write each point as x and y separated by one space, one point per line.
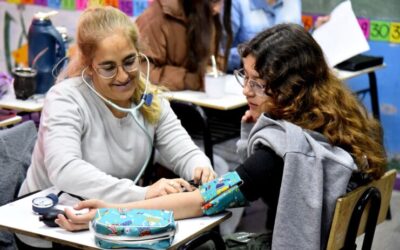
388 80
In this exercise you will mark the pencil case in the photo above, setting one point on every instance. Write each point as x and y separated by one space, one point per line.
133 228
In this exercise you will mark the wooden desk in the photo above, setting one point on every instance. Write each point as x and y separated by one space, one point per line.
18 217
232 99
373 85
10 121
227 102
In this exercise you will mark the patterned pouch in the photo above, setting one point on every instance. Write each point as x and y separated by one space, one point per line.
222 193
133 228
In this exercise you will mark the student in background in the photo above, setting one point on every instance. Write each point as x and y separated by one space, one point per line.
88 147
303 137
180 37
253 16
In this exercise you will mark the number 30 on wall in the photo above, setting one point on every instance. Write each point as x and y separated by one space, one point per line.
381 31
373 30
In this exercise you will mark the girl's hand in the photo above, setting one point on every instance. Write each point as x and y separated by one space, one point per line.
167 186
321 20
250 116
203 175
78 222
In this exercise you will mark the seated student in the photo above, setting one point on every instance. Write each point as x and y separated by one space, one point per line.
250 17
88 144
180 37
303 136
264 14
179 40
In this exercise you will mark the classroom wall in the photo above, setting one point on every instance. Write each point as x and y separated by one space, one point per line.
385 16
388 10
388 80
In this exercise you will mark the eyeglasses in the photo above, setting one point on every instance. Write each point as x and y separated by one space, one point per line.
257 88
110 70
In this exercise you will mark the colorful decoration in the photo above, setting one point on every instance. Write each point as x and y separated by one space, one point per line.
20 55
139 6
81 4
68 4
114 3
379 31
126 6
373 30
308 22
364 24
55 4
394 36
41 2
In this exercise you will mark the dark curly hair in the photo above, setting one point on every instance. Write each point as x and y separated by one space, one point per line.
305 91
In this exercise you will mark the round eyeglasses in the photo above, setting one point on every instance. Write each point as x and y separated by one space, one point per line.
243 80
110 70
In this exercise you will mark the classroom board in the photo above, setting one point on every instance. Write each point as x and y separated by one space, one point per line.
387 10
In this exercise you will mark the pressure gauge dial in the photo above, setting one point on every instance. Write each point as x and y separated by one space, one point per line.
43 205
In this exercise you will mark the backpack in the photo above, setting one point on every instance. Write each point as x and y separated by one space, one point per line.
248 241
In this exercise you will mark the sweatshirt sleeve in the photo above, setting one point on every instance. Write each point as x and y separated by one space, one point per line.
262 169
62 126
162 72
175 145
241 144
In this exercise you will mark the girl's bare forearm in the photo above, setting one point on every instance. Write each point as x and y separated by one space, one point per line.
184 205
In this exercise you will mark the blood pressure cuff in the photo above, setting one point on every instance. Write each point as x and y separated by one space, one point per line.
222 193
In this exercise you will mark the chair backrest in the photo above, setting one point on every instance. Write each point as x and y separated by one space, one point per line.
16 145
375 198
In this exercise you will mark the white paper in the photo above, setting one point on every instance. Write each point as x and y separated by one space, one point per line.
341 37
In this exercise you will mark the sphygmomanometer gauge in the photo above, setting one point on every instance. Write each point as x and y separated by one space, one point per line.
43 205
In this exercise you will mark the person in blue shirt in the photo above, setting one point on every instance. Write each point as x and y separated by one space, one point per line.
253 16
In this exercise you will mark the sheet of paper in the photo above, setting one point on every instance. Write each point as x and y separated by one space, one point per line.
341 37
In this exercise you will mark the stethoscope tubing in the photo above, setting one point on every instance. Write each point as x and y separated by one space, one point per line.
133 111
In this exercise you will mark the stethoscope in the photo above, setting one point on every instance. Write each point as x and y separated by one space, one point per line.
147 98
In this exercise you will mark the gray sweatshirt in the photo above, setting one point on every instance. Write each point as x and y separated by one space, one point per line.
315 174
84 150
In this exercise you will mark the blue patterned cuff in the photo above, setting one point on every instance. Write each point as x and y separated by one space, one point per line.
222 193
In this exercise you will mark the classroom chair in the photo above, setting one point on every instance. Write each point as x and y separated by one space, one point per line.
16 145
359 211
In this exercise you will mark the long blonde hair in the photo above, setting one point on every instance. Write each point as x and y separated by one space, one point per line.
94 25
304 91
